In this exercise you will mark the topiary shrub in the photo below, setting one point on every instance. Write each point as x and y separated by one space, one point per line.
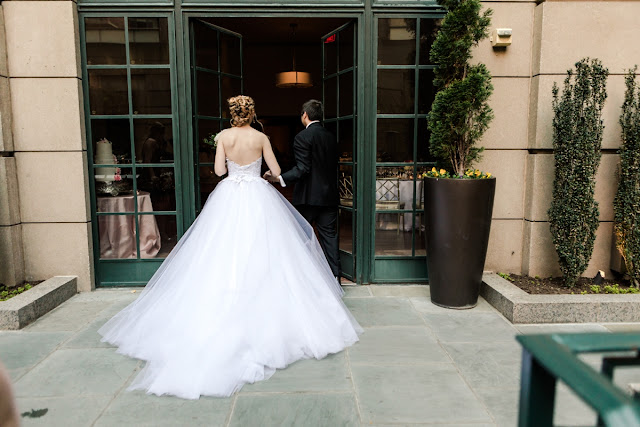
460 113
577 139
626 205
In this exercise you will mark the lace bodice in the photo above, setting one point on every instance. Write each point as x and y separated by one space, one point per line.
248 172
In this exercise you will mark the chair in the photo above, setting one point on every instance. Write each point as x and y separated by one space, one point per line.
345 188
388 198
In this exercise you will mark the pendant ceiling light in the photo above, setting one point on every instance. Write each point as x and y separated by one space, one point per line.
293 78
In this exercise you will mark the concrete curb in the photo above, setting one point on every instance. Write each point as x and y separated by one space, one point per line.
521 307
19 311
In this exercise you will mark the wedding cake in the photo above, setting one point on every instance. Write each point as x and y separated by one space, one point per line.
104 154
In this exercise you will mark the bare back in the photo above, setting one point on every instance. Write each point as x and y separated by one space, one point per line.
244 145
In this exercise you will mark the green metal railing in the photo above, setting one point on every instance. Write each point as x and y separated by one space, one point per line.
548 358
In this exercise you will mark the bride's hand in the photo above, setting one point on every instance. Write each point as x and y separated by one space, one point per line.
267 175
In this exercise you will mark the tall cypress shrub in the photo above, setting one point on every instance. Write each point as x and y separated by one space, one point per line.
460 113
577 140
626 205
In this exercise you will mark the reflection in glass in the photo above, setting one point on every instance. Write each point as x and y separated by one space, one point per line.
428 31
148 41
108 92
160 184
394 140
206 130
208 182
346 94
207 98
395 91
346 185
116 233
424 154
158 235
346 47
345 143
115 131
105 41
330 98
330 55
389 240
230 61
396 41
206 46
151 91
113 182
345 232
231 87
153 140
331 127
426 91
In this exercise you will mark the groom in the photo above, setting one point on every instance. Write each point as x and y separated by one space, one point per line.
316 177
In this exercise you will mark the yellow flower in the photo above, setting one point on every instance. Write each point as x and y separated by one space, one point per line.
442 171
478 172
488 175
433 169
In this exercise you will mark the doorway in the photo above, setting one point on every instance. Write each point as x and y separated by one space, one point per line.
230 55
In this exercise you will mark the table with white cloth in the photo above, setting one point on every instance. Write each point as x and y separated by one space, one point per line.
400 190
117 233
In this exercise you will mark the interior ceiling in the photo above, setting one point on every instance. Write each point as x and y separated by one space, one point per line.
278 30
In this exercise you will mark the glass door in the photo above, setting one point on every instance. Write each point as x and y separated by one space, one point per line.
339 84
216 66
130 103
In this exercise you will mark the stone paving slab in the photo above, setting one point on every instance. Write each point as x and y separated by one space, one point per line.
416 364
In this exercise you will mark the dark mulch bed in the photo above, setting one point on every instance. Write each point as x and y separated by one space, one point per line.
555 285
7 292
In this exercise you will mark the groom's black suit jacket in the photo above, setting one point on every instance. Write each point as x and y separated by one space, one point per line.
316 169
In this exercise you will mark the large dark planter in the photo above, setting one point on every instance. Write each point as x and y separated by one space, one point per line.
458 221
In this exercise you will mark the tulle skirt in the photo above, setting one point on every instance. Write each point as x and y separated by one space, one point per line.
246 291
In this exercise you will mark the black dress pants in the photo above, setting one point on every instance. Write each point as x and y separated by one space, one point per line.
325 219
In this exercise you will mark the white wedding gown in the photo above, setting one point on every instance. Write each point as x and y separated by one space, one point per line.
246 291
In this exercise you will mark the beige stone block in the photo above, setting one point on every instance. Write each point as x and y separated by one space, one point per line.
505 246
9 199
53 186
3 46
42 38
508 166
539 187
597 29
6 134
607 185
11 255
539 257
48 114
514 60
601 256
536 39
63 249
510 104
541 111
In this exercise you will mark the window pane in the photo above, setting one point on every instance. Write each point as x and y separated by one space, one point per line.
395 140
206 130
160 184
207 96
426 91
346 47
117 233
330 100
346 94
154 140
206 46
158 235
332 127
423 142
108 92
396 41
393 191
148 41
230 61
115 131
330 55
345 143
114 189
208 182
231 87
105 41
395 91
390 240
428 31
346 185
151 91
345 236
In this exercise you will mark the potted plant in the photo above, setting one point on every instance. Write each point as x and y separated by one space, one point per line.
458 199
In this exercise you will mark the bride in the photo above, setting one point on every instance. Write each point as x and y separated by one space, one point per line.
247 289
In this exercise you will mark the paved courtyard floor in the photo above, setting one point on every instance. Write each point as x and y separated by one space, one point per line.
416 364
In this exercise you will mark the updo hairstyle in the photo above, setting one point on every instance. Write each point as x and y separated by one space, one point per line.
242 110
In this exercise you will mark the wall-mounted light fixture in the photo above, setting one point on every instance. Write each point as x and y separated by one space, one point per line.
501 37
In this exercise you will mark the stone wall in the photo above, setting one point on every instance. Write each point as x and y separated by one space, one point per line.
50 157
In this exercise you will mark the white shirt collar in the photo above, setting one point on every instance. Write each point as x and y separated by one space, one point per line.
310 123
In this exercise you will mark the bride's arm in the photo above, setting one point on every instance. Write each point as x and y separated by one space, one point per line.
220 165
270 158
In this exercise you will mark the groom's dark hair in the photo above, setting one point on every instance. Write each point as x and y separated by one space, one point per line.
313 108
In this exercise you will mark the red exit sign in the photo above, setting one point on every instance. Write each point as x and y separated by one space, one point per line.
330 39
